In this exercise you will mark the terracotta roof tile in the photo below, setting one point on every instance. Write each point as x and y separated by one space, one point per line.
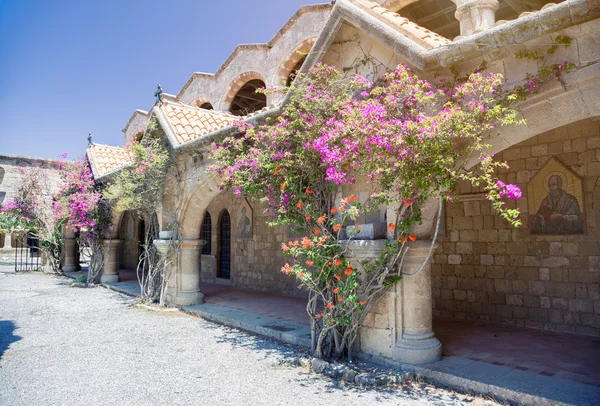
106 159
415 32
189 122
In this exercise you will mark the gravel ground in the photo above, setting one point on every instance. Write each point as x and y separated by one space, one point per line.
71 346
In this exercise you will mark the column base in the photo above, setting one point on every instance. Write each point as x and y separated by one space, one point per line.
111 278
417 351
189 298
69 268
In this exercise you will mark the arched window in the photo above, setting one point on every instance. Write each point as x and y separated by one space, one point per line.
206 234
137 137
247 101
294 71
206 106
224 265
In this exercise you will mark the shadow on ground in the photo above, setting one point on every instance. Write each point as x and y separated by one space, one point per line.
7 336
413 390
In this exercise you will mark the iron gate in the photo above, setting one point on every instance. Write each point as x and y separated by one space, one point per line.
27 253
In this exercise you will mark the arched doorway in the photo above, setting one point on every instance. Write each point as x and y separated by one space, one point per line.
224 266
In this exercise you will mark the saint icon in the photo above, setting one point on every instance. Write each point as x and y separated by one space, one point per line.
559 212
244 227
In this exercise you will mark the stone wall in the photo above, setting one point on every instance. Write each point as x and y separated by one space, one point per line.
12 170
255 261
486 270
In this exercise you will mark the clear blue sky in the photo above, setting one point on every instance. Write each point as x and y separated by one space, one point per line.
69 67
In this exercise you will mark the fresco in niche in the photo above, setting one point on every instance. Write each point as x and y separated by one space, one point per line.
555 200
244 226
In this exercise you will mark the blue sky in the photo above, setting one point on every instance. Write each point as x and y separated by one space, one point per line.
69 67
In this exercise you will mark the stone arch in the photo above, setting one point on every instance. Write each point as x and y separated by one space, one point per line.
237 84
137 136
290 62
116 218
195 204
575 99
203 103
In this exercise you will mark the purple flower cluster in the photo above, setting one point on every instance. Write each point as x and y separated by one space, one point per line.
509 190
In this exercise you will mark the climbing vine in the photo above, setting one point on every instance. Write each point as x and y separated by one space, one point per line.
139 188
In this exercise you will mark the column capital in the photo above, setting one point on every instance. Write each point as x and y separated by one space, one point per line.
192 244
112 243
475 15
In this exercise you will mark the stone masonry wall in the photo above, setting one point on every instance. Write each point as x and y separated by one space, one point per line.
486 270
11 176
256 261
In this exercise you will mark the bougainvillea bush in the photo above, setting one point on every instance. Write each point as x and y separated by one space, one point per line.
401 141
78 205
29 214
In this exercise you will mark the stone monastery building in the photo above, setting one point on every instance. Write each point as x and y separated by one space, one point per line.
543 275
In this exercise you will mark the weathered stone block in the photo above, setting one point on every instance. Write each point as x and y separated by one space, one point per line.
528 274
460 295
504 311
531 261
555 262
581 305
454 259
593 291
555 316
536 288
545 302
538 314
531 301
592 320
464 248
560 289
581 291
540 149
502 286
514 300
544 274
488 235
520 287
495 272
463 223
560 303
520 312
487 259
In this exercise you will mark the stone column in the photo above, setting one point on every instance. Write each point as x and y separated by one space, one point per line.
110 268
187 270
188 273
475 15
7 241
70 250
415 341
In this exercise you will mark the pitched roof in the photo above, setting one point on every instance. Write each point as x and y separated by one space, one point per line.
420 35
187 122
106 159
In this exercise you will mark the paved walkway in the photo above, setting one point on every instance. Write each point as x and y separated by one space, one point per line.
71 346
567 356
512 363
562 355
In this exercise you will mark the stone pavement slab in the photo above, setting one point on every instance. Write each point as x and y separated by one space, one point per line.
508 384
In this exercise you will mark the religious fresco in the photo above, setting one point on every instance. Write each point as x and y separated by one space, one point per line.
555 198
244 226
